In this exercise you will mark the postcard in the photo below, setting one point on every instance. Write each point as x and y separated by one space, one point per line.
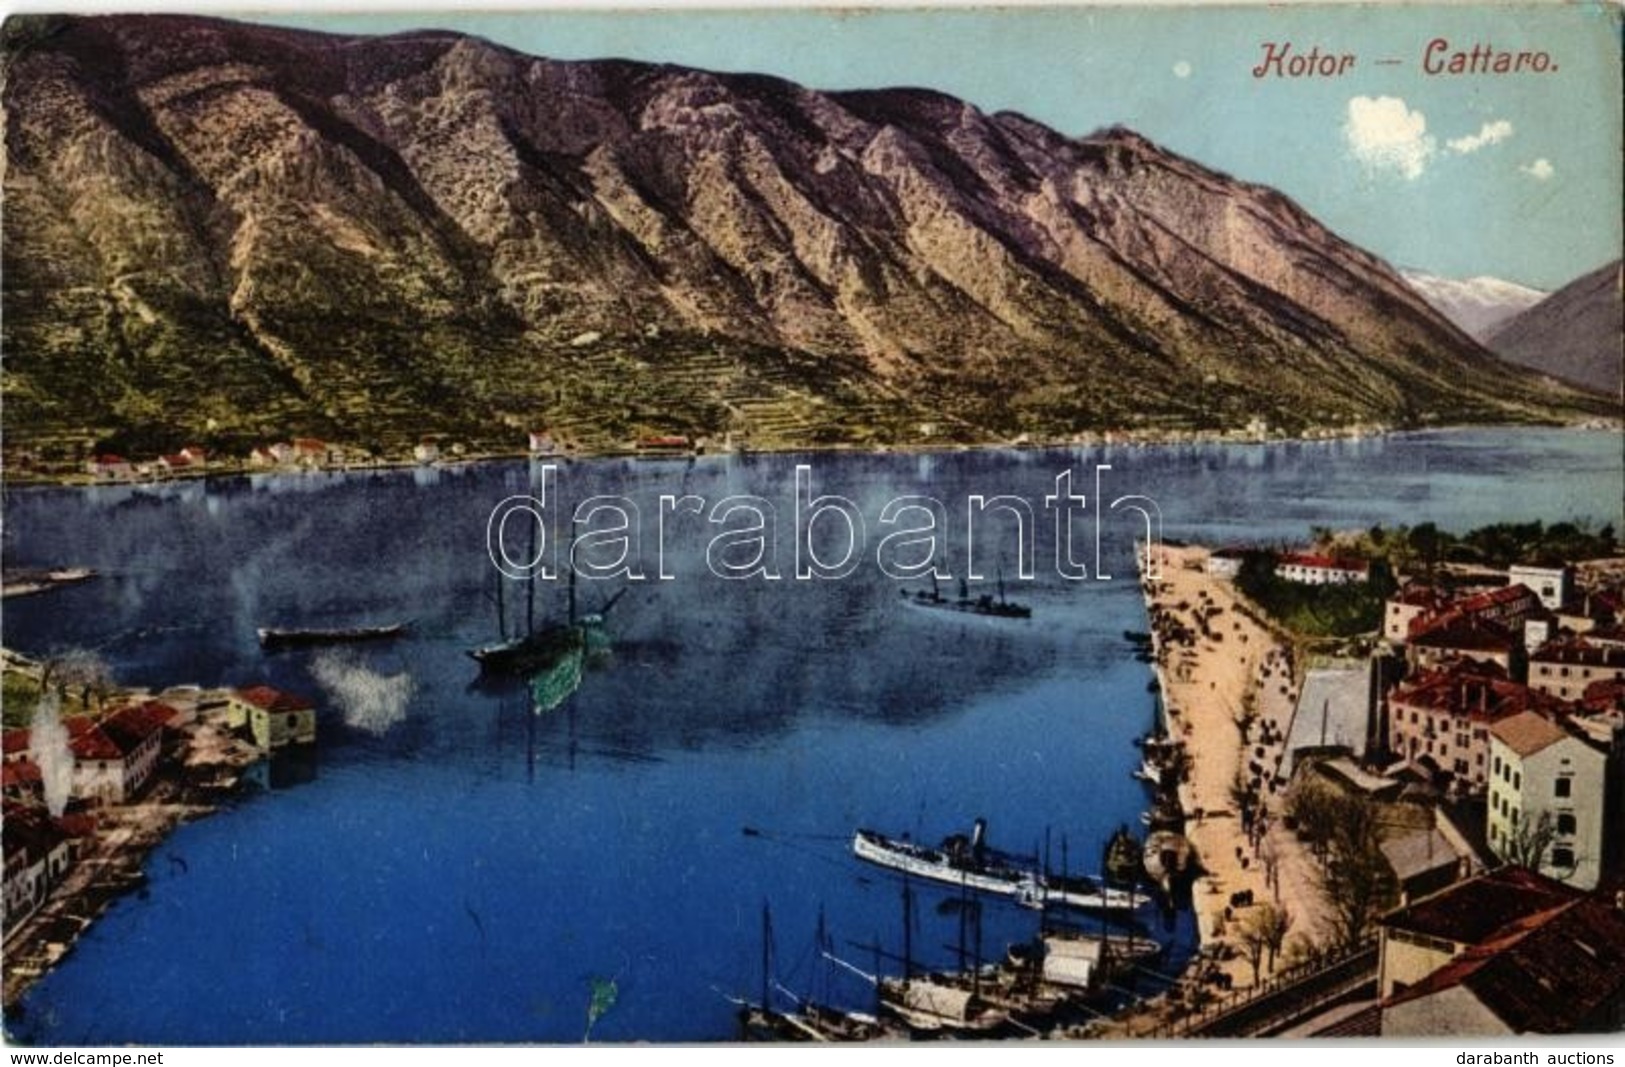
813 525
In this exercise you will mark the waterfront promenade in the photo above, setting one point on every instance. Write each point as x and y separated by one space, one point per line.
1216 662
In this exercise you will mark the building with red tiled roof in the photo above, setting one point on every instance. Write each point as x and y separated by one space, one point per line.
1429 615
1604 696
1555 970
1310 569
21 780
1607 636
1440 719
1424 935
1566 667
1413 602
15 744
272 717
1469 637
114 758
109 466
37 854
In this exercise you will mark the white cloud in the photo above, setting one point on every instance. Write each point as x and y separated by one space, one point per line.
1488 134
1541 169
1385 134
1182 69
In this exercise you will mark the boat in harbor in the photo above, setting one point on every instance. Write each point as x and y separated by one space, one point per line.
1123 861
544 653
1073 961
986 605
968 863
274 637
806 1019
28 582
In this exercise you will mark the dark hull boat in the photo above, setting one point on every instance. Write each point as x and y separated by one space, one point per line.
530 653
273 638
984 606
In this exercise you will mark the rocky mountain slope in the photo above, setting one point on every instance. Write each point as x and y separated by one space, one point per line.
230 232
1477 305
1575 334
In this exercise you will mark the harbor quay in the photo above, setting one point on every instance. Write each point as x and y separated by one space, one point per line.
1227 685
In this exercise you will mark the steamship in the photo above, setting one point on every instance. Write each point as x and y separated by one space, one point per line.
969 863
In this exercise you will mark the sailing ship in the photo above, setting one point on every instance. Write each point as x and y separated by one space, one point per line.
808 1020
968 862
1073 961
551 655
985 605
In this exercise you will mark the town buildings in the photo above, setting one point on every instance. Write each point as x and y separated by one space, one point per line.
1506 952
271 717
1548 794
1311 569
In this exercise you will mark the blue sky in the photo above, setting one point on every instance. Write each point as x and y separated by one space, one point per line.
1515 175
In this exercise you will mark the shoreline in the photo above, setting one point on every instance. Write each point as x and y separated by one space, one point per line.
1227 683
9 479
200 773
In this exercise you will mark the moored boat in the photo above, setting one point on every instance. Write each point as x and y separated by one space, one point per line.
275 637
985 606
968 863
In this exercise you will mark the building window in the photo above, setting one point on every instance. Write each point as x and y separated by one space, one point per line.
1565 824
1497 765
1517 781
1562 787
1562 857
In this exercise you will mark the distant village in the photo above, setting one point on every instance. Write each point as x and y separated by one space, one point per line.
310 453
1483 733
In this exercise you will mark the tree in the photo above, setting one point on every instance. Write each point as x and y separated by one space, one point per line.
1312 805
1527 842
1425 543
1274 922
1355 881
1264 931
1252 942
81 670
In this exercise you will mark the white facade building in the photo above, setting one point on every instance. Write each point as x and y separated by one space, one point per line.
1548 782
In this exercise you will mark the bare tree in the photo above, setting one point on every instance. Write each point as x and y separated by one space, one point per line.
1262 933
1252 942
1314 807
1527 843
82 670
1274 924
1355 879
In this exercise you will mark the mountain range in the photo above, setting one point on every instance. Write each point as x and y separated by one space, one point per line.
227 233
1478 305
1575 334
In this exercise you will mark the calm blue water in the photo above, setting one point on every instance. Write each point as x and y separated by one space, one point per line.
457 869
